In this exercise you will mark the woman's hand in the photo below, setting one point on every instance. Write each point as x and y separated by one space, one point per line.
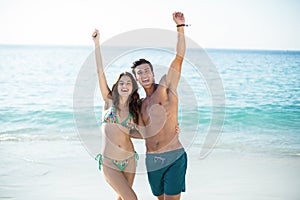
96 36
177 128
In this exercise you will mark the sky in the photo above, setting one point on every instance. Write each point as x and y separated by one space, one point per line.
237 24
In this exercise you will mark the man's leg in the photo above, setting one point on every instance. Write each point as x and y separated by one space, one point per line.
161 197
174 179
168 197
173 197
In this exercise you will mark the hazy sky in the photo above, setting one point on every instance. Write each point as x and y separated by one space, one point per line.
246 24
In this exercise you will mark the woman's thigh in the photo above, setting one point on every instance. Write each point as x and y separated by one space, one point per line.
120 182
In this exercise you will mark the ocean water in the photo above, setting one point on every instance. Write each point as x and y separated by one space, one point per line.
261 90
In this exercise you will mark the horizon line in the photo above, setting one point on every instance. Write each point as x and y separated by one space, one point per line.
206 48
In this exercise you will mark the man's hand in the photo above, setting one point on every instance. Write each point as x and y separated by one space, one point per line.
178 18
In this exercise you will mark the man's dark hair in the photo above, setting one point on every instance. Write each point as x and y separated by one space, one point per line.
139 62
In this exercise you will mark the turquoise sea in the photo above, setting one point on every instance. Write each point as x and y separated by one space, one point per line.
261 87
47 151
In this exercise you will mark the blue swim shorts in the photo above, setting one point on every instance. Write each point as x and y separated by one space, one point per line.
166 172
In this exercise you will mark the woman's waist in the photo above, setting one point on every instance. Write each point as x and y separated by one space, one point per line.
114 128
116 144
117 153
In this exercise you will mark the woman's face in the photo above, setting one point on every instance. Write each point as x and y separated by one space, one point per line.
125 86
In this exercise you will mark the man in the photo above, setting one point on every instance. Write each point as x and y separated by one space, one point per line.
166 159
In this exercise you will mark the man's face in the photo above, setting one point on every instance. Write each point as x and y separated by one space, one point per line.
144 75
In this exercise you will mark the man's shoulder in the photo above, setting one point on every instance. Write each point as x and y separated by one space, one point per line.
141 100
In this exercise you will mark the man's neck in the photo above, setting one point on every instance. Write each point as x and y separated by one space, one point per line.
149 91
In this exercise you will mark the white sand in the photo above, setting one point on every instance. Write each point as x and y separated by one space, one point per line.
233 176
64 170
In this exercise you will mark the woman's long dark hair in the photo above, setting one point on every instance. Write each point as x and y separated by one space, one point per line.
134 97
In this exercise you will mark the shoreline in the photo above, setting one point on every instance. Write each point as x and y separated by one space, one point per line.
65 170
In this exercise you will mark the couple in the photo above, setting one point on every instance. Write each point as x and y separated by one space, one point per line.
153 118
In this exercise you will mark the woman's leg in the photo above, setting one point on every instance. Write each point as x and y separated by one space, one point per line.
129 171
119 183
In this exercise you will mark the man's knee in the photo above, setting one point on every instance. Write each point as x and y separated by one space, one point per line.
161 197
172 197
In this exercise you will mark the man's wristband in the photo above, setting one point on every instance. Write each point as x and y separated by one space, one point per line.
179 25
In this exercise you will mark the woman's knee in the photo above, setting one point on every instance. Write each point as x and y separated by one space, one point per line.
130 197
119 198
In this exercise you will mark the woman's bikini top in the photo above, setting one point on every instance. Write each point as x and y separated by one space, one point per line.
110 116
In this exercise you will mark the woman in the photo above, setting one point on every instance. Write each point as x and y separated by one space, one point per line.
118 158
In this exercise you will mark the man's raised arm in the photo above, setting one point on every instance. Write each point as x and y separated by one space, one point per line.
174 71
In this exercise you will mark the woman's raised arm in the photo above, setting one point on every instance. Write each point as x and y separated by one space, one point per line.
105 91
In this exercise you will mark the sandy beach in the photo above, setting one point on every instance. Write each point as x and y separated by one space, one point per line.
64 170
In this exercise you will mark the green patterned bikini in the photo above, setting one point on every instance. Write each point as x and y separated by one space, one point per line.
121 164
111 117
